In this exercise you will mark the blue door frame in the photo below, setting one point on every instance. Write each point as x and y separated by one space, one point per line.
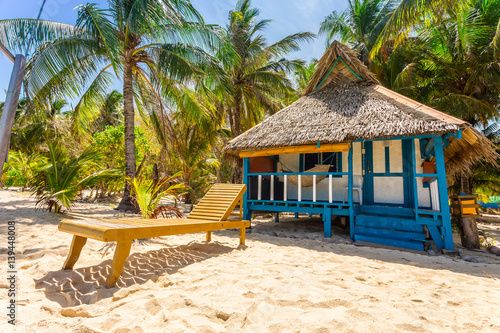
367 161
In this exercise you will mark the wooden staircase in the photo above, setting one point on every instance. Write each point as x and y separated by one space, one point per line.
400 229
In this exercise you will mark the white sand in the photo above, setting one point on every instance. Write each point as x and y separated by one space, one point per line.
182 284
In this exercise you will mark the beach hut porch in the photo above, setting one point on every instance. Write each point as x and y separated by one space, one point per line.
393 191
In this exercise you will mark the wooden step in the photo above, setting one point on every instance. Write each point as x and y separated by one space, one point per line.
385 222
414 245
387 233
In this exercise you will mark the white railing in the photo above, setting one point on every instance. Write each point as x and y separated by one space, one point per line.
299 185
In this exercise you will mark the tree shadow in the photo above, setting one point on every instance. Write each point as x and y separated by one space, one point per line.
86 285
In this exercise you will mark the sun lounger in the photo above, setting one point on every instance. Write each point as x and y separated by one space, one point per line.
211 213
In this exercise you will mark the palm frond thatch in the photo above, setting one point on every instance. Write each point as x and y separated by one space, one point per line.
344 61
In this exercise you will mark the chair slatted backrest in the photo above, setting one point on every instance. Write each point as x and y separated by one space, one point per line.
219 202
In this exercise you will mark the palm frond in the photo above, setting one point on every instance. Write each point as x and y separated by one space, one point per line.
96 23
410 14
289 43
16 34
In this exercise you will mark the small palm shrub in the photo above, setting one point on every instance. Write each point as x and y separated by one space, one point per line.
147 194
57 185
22 167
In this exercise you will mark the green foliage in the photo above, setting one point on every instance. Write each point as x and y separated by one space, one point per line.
57 185
147 194
450 63
110 143
81 61
21 167
359 25
14 178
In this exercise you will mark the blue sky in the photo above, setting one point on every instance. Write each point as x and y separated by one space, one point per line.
289 16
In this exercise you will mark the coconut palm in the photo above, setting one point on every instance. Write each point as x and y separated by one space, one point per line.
411 15
150 44
303 75
453 66
256 71
57 185
111 113
359 25
36 123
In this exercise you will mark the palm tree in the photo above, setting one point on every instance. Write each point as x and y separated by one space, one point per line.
111 113
150 44
36 124
411 15
359 25
256 72
57 185
452 65
303 75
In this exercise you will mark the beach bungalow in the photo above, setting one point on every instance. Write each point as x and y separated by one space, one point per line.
351 147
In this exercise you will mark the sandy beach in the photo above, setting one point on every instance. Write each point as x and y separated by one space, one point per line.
273 284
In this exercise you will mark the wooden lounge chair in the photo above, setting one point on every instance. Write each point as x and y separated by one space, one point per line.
210 214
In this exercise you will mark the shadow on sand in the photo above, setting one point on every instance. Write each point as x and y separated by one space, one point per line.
313 227
86 285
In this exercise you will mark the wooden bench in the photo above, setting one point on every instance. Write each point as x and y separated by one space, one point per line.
211 213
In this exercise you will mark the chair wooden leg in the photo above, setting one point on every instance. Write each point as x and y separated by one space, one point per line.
242 235
121 254
209 236
74 252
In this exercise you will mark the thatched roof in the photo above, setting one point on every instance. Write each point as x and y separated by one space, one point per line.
344 102
339 60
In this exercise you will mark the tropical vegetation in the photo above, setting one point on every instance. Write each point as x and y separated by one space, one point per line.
188 87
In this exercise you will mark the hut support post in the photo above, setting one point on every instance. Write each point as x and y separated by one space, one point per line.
247 213
350 186
443 193
327 220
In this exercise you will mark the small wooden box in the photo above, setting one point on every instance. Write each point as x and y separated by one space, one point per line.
465 206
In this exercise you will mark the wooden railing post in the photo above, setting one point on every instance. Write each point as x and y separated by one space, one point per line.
285 188
330 189
247 213
300 188
314 188
259 188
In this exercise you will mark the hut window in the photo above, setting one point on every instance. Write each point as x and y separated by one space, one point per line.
311 160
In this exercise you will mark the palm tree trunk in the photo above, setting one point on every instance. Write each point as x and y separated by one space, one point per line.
469 233
129 115
236 116
238 165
